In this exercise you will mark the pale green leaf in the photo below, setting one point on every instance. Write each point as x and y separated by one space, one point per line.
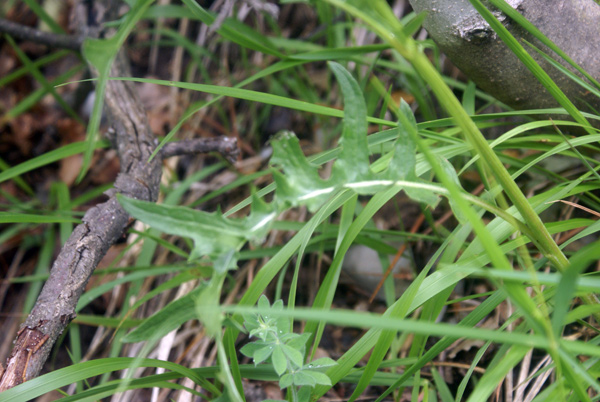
278 359
300 183
451 172
250 349
304 378
285 381
263 302
262 354
404 160
214 236
293 355
353 162
319 378
206 303
320 363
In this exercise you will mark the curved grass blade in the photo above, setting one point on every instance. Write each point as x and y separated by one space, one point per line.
47 158
31 389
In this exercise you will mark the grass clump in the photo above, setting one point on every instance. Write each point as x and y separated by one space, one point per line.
501 300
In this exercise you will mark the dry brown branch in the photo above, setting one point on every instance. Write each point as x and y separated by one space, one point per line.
226 146
18 31
102 225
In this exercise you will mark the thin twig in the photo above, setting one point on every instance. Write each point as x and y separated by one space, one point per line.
18 31
399 254
226 146
574 205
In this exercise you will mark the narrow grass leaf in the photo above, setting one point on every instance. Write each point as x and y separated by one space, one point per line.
33 388
44 16
42 61
7 217
22 184
568 283
235 31
489 381
99 290
279 66
480 312
31 99
170 317
371 320
277 262
179 279
574 77
254 96
441 386
40 78
324 296
399 309
326 54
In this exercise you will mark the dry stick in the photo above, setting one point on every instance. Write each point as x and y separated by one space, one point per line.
18 31
226 146
575 205
102 226
401 250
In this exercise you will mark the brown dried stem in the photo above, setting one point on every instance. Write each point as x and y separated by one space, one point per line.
226 146
102 225
22 32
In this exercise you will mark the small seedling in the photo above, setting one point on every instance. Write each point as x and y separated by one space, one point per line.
285 350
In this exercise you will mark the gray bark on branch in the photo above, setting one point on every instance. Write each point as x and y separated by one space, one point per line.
226 146
22 32
467 39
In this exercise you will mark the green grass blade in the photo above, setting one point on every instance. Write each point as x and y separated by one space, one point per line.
47 86
235 31
255 96
36 64
31 389
32 98
7 217
43 15
489 381
47 158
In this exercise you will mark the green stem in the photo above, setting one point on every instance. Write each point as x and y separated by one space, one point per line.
472 134
294 393
390 29
227 378
543 240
